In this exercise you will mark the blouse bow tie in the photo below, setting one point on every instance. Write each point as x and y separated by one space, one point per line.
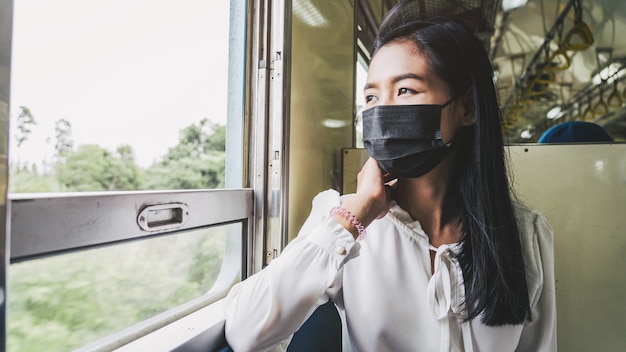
446 293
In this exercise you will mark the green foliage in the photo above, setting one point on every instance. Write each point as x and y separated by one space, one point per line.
27 181
63 134
206 171
93 168
197 161
196 140
64 302
25 120
217 141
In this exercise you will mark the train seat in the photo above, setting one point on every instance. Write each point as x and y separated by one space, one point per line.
575 131
321 332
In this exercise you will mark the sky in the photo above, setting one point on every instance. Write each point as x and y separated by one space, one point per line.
120 71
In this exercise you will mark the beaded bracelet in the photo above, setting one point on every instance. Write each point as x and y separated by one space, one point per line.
353 220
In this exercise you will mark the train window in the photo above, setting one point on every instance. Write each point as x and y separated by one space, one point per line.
120 223
63 302
118 95
105 267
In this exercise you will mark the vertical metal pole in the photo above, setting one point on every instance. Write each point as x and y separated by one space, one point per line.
279 59
267 127
237 131
258 129
287 13
6 26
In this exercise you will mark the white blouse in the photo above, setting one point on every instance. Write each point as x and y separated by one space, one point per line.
384 291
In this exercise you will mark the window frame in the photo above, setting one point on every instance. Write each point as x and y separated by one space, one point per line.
42 225
45 224
256 116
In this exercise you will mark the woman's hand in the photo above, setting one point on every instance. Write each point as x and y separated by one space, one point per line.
372 197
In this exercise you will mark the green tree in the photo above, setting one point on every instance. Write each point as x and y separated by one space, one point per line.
25 177
217 140
25 120
63 133
93 168
30 181
63 302
197 161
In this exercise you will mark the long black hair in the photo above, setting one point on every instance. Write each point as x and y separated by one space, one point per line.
491 255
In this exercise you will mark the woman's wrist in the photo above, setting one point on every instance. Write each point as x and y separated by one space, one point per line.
353 224
355 207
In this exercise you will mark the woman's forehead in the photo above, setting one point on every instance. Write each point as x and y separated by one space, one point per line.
397 59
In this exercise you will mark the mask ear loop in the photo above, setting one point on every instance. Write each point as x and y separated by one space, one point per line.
448 102
438 138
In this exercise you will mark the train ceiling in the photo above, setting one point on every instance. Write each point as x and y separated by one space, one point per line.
556 61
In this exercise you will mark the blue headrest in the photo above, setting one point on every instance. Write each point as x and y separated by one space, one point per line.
575 131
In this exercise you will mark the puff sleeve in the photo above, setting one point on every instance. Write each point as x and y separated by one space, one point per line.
264 311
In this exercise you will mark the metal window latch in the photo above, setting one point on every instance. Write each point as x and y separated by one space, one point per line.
162 217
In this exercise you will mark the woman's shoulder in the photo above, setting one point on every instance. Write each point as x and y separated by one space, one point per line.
531 222
536 238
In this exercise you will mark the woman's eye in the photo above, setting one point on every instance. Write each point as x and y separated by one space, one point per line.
404 91
369 98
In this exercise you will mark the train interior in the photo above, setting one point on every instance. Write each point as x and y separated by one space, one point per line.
292 77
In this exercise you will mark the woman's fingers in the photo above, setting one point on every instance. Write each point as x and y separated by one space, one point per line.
385 209
370 181
389 177
373 190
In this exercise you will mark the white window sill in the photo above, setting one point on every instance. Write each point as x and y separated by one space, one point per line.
202 330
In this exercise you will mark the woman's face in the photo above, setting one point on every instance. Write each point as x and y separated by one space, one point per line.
400 75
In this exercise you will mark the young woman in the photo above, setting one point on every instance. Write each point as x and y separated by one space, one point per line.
449 261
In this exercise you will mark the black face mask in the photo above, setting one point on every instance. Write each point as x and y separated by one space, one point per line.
405 139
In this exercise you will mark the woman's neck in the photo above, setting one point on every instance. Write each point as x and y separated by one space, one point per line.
428 199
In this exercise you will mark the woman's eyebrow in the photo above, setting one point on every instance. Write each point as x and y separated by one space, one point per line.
369 85
397 79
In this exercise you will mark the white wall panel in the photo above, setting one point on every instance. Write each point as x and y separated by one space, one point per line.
581 189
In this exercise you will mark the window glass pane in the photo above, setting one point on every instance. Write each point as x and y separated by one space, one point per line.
118 95
63 302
